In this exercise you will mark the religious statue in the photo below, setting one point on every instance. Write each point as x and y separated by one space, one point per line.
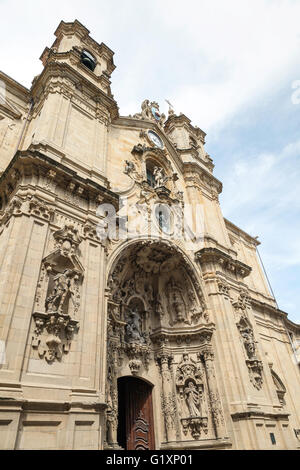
159 177
129 166
249 343
133 328
192 398
62 288
176 303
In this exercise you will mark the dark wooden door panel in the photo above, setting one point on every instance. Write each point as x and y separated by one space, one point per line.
139 415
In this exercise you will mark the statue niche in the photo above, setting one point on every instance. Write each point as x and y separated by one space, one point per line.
190 386
136 339
134 332
58 297
254 365
176 303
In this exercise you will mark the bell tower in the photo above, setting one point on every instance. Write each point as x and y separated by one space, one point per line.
73 103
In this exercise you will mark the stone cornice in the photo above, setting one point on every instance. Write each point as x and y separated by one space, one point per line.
238 231
218 257
15 85
273 310
35 185
25 156
201 334
238 416
295 327
201 175
50 405
195 154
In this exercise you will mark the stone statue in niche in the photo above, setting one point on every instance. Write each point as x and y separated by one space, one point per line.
190 387
57 298
254 365
249 343
176 303
159 307
159 177
62 291
192 398
133 328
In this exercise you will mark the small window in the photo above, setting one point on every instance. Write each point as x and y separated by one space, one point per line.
272 436
150 177
88 60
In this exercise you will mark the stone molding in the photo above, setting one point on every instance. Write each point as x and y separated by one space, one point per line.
225 261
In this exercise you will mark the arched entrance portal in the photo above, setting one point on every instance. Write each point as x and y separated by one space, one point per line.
157 330
135 423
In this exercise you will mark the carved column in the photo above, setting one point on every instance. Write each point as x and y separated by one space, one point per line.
168 401
215 403
112 399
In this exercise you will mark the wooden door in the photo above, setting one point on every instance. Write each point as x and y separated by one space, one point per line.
135 414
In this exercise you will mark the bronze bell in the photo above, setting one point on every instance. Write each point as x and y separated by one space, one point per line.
88 60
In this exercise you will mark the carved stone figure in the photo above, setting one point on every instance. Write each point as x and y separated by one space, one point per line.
176 303
190 386
159 177
192 397
247 335
133 328
129 166
61 290
254 365
55 312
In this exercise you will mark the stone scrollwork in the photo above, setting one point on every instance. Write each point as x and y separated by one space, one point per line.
57 299
134 366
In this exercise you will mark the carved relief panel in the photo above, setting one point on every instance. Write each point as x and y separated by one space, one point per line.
190 380
152 298
254 364
57 298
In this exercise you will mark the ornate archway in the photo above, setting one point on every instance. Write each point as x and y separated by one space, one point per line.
159 330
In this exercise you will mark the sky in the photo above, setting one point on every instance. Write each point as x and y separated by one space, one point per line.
233 67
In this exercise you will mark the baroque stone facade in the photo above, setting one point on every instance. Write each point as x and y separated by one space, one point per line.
133 314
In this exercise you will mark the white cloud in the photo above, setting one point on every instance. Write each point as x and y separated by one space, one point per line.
208 57
256 43
263 193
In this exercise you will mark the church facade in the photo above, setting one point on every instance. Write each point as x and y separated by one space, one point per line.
133 314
